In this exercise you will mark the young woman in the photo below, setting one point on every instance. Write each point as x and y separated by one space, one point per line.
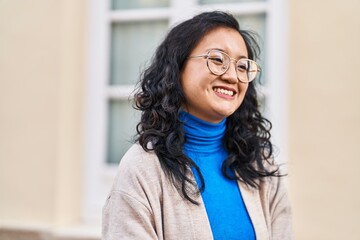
202 165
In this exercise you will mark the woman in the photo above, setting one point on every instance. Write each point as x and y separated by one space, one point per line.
202 167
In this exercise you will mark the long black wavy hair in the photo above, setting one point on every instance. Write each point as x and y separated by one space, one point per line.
160 99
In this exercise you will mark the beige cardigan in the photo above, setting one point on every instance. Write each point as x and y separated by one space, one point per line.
143 205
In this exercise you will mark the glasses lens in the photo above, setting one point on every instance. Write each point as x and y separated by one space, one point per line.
247 70
217 62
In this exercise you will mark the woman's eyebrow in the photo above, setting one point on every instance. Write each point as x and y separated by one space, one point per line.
222 50
219 49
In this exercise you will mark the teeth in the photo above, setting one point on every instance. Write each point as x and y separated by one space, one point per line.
224 91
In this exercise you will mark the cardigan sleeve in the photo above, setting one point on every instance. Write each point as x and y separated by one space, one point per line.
124 217
280 210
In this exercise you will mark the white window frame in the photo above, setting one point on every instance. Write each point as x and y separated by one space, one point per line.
98 174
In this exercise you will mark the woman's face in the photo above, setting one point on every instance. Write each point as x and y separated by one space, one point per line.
204 91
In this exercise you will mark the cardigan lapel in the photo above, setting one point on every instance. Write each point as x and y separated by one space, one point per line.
253 205
201 228
200 221
251 198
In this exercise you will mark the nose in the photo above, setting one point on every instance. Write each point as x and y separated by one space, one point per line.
231 75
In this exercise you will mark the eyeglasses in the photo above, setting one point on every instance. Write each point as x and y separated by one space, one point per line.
218 63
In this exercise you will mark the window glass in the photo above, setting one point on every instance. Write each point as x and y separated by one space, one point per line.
256 23
121 128
132 45
127 4
227 1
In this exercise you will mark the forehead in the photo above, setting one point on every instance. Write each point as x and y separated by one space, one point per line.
226 39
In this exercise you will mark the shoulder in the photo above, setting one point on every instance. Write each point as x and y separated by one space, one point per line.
279 205
137 160
274 185
276 190
138 170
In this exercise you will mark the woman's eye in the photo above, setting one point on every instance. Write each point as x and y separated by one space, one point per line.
216 60
242 67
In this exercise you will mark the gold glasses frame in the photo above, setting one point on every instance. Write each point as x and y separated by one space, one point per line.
225 68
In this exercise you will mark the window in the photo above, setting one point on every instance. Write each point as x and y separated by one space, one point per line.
122 38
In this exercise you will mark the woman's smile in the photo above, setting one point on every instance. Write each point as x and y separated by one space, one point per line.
224 92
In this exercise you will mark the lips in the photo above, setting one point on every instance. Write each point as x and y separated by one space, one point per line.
225 91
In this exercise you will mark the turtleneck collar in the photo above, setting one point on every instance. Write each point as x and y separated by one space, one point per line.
202 136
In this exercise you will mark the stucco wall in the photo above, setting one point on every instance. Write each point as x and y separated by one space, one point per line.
324 118
41 97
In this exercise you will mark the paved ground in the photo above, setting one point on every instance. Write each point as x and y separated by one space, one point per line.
6 234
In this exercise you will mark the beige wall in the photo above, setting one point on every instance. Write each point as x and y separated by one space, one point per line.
41 98
41 108
324 118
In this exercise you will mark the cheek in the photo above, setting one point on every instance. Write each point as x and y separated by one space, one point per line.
193 80
185 76
243 91
244 88
185 81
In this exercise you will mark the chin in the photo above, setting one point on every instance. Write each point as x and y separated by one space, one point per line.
225 114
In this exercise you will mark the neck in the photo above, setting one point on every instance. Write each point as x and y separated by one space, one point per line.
202 136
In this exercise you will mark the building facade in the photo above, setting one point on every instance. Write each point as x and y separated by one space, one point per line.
64 86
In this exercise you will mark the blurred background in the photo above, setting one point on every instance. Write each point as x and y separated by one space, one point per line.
68 68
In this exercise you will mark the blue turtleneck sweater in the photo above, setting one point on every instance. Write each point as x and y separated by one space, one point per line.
224 205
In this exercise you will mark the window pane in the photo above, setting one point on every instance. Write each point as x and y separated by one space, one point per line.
126 4
132 45
262 103
256 23
121 128
227 1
